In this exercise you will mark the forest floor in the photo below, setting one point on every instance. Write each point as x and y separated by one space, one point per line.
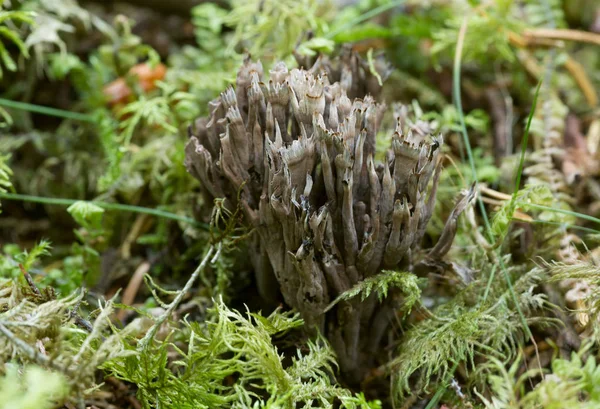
126 282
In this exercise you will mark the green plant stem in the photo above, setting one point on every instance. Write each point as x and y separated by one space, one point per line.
563 211
524 143
456 93
564 225
513 198
457 100
442 388
104 205
364 17
40 109
489 283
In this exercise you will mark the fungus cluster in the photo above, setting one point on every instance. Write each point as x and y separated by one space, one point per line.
296 153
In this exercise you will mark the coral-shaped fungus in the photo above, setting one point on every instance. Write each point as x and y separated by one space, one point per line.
296 153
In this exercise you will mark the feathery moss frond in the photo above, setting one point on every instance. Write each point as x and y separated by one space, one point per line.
27 258
42 332
380 284
240 345
524 199
86 214
572 383
31 388
12 36
276 22
5 174
464 328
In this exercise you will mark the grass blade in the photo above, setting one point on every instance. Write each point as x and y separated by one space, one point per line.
104 205
41 109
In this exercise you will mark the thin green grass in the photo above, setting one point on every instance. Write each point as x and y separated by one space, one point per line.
524 144
68 202
564 225
489 283
456 95
108 206
456 79
564 211
41 109
519 172
441 390
436 397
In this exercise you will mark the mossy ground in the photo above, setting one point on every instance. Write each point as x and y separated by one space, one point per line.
120 288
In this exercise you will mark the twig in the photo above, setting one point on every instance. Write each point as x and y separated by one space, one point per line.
133 286
79 321
494 193
139 226
493 202
582 80
574 68
563 34
144 342
32 285
83 323
529 63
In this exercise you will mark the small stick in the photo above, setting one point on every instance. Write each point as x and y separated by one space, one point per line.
574 67
494 193
564 34
133 287
493 202
32 285
79 321
582 80
173 305
83 323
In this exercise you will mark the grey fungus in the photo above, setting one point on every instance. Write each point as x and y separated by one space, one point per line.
298 151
